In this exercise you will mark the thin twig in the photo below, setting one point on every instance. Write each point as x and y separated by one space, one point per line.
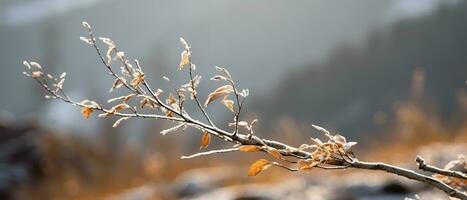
410 175
210 152
423 166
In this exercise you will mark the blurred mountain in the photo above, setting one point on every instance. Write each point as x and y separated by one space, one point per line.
276 34
345 92
267 39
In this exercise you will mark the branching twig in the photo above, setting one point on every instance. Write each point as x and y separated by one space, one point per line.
333 154
423 166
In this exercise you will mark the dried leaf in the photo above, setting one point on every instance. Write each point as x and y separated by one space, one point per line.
171 100
116 84
307 164
219 78
205 140
243 123
321 129
349 145
223 70
128 97
86 111
139 78
169 113
229 104
25 63
120 55
86 24
249 148
257 167
275 153
36 74
184 59
221 91
86 40
118 107
339 139
35 64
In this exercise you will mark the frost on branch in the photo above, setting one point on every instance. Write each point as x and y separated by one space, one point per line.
142 101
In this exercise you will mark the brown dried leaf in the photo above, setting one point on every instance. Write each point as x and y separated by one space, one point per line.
249 148
169 113
139 78
205 140
275 153
86 111
229 104
184 59
257 167
171 100
221 91
36 74
339 139
118 107
128 97
307 164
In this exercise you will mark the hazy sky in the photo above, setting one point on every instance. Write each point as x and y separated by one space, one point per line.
260 41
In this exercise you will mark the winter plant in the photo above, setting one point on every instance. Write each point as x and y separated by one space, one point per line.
144 102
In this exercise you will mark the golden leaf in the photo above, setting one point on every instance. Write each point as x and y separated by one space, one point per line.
36 74
221 91
128 97
169 113
118 107
306 164
257 167
205 140
139 78
275 153
249 148
229 104
171 100
86 111
184 59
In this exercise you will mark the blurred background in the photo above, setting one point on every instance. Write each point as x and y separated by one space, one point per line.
388 74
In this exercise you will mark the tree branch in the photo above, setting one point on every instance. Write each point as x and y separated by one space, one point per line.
333 154
423 166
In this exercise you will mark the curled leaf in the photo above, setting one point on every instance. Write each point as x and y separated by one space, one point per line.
139 78
86 40
36 74
229 104
349 145
118 107
275 153
171 100
321 129
339 139
86 111
249 148
219 78
307 164
205 140
184 59
221 91
257 167
86 24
